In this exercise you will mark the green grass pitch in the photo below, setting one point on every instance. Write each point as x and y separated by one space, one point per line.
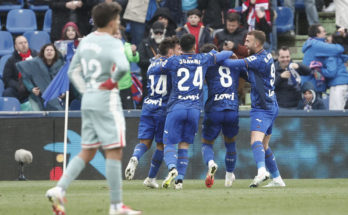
302 196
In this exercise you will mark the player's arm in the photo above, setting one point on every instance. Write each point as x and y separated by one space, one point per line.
240 63
75 73
223 55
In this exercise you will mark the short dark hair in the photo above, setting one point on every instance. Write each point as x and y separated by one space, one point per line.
42 53
104 12
259 35
283 48
175 40
207 48
187 42
165 45
194 12
232 17
313 30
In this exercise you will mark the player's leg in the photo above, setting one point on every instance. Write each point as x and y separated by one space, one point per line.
189 131
157 156
171 137
230 130
211 129
89 143
146 131
156 162
114 178
110 128
271 163
260 122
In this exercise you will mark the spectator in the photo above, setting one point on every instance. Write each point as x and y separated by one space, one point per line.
310 101
232 36
258 15
187 5
341 13
311 10
336 75
124 85
195 27
37 75
288 80
137 13
148 48
14 86
70 32
163 15
214 11
64 11
316 46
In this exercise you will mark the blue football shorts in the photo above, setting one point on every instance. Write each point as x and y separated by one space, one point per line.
181 126
214 122
151 127
262 120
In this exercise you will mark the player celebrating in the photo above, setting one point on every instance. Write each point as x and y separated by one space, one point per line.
153 115
221 113
264 108
184 105
98 64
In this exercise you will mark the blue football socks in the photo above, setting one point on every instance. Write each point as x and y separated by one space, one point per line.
207 153
139 150
182 163
170 155
271 163
156 162
259 154
231 156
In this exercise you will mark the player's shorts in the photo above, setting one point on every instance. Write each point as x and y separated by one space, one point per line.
214 122
262 120
151 127
181 126
103 128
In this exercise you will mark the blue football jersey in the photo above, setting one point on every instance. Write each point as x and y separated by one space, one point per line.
222 84
261 75
157 87
187 72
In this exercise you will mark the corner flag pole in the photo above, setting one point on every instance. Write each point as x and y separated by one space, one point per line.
66 128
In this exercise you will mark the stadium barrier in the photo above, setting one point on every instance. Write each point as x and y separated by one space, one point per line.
306 145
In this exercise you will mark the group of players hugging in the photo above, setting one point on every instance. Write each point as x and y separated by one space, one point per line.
171 110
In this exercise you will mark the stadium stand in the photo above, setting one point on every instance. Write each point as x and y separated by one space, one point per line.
6 43
19 21
285 20
2 87
36 7
47 21
8 7
9 104
3 61
37 39
75 105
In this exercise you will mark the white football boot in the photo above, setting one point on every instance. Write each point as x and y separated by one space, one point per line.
229 179
170 177
262 176
151 182
209 180
56 196
121 209
130 169
276 182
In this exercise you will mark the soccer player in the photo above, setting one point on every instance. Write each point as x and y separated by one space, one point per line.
153 115
184 105
98 64
264 108
221 113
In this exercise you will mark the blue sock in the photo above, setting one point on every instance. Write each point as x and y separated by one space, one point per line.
182 163
259 154
139 150
207 152
271 163
156 162
231 156
170 155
